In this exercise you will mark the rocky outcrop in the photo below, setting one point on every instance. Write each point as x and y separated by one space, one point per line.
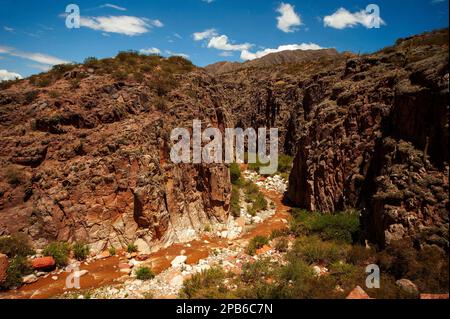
367 132
93 164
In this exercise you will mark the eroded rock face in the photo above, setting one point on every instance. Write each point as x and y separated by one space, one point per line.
93 164
367 132
3 267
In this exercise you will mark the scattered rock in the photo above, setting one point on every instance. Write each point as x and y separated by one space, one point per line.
29 279
358 293
178 261
43 263
142 246
408 287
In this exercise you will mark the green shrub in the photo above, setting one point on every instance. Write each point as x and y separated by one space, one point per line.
235 205
314 250
8 83
120 75
279 233
428 267
59 251
282 244
112 251
255 271
14 176
16 245
80 251
18 267
207 284
235 173
132 248
144 273
256 243
255 197
360 255
91 62
284 163
339 226
31 96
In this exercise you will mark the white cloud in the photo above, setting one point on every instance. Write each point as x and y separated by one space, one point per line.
150 51
222 43
246 55
42 67
39 57
186 56
342 19
8 29
156 23
288 19
4 49
127 25
6 75
36 57
177 35
113 6
226 54
208 1
207 34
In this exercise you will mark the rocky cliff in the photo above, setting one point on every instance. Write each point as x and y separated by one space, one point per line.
85 157
85 150
367 131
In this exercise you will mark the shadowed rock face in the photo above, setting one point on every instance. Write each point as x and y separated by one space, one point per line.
369 132
93 163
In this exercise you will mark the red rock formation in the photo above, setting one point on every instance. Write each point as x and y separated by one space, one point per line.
43 263
3 267
358 293
369 132
91 163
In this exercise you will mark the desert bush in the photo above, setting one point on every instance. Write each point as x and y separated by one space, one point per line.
279 233
235 206
256 243
427 267
91 62
360 255
30 96
80 251
120 75
8 83
14 176
253 272
144 273
235 173
314 250
285 163
255 197
339 226
18 267
207 284
16 245
112 251
59 251
132 248
54 94
282 244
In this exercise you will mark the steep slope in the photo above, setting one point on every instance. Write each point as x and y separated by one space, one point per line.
85 154
368 132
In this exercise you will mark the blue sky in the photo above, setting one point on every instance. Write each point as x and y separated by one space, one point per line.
34 36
